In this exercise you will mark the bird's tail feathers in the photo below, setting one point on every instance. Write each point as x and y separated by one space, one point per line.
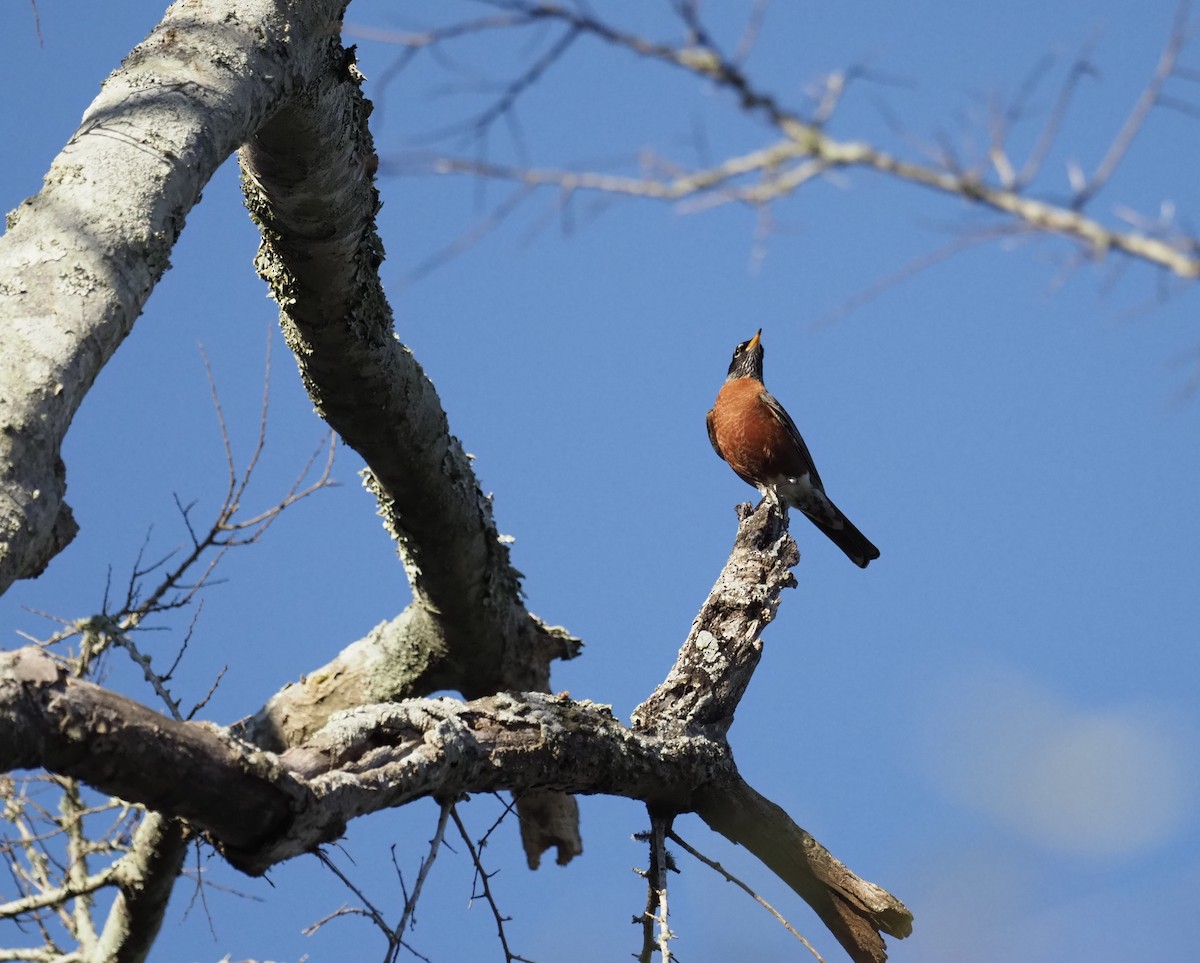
855 544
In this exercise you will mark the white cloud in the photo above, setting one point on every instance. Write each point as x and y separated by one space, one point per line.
1103 783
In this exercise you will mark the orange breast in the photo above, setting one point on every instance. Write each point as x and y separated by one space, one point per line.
754 442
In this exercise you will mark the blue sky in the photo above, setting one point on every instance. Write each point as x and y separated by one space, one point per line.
997 721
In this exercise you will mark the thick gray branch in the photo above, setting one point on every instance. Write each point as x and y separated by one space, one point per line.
700 697
720 654
77 264
80 258
52 720
401 659
308 177
261 808
676 758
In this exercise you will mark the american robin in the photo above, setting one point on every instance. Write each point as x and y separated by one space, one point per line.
749 429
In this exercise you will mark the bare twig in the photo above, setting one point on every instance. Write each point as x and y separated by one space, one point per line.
656 931
711 864
176 588
659 882
54 881
1081 67
43 954
479 126
76 873
482 878
58 895
212 689
509 807
393 934
806 153
497 216
751 32
368 908
410 904
1180 34
908 270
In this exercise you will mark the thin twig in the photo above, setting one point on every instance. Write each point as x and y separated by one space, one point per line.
482 877
751 32
813 154
908 270
711 864
71 807
1081 67
509 807
656 931
410 904
53 883
466 241
1176 40
51 897
479 126
368 909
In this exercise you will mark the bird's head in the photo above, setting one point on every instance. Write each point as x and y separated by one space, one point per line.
747 359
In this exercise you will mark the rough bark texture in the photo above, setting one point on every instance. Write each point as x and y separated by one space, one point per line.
675 759
400 659
76 266
80 258
721 652
308 177
261 808
191 770
700 697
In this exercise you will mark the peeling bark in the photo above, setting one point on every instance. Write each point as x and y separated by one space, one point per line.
700 697
261 808
377 757
675 758
76 266
721 652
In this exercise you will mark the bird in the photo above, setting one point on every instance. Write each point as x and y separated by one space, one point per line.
753 432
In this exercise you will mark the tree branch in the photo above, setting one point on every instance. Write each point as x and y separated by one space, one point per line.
821 154
51 719
700 695
714 666
262 808
81 257
729 877
147 146
309 187
854 910
805 152
145 879
1149 99
675 759
308 179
